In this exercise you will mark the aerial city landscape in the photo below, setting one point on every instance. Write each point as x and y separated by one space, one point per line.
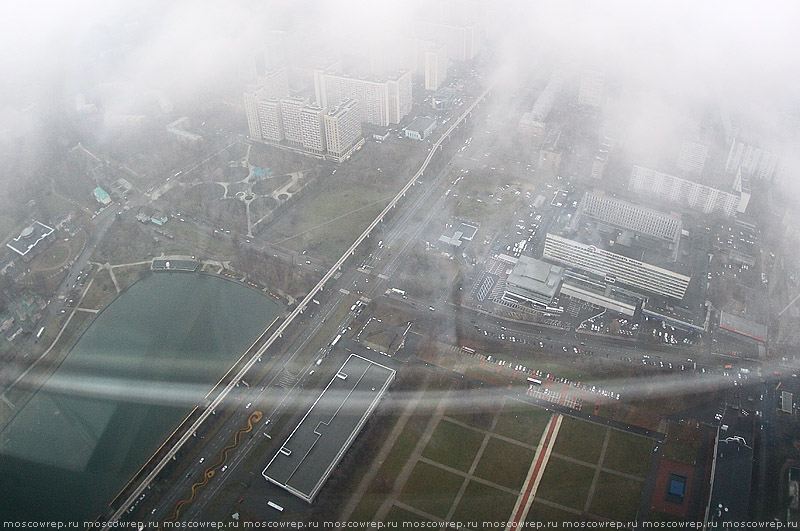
426 264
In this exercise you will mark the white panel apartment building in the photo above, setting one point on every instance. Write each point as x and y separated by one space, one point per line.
756 163
291 109
343 130
313 129
624 215
657 184
380 102
590 92
270 119
272 85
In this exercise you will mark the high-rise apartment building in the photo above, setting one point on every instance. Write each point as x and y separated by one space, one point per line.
692 156
270 120
272 85
435 59
659 185
291 109
463 41
591 89
757 163
380 102
343 130
275 83
628 216
313 129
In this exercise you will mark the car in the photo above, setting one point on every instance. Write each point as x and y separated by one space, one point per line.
248 405
202 459
224 468
431 308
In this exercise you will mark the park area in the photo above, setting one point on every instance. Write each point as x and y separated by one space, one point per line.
464 456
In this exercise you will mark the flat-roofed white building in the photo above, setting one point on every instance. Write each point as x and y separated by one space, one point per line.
533 281
31 240
615 267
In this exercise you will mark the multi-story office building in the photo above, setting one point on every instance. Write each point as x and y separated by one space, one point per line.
756 163
380 102
590 92
343 130
533 281
692 156
614 267
659 185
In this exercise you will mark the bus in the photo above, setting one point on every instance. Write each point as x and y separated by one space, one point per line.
40 333
336 340
275 506
399 292
534 381
468 350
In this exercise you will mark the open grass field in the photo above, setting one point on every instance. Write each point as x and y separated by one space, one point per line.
566 483
398 514
431 489
628 453
522 422
326 225
453 445
540 512
483 503
616 497
505 463
580 440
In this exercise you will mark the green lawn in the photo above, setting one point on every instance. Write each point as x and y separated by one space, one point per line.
453 445
616 497
387 473
680 452
544 513
566 483
628 453
505 463
522 422
482 503
398 514
327 224
580 440
431 489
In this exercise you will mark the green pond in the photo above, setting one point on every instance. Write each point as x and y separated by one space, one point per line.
134 375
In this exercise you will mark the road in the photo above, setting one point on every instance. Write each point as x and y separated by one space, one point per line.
301 307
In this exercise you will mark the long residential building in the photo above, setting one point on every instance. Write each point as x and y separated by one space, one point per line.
659 185
615 267
295 123
757 163
380 102
624 215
